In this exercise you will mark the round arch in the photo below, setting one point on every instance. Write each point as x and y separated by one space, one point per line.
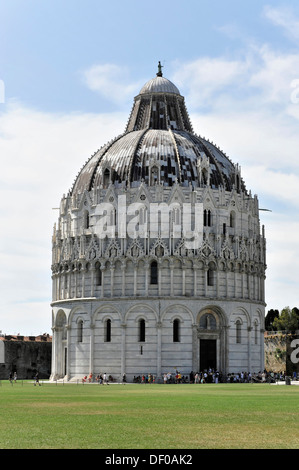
106 311
60 318
177 311
141 310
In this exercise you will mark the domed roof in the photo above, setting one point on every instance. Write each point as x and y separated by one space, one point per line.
158 146
159 85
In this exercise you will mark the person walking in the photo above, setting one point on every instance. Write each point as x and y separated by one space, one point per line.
36 379
105 380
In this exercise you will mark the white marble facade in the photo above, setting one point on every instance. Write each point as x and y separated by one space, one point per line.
147 302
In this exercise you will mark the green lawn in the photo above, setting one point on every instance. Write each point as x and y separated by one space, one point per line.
136 416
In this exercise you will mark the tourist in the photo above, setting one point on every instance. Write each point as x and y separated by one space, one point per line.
36 379
105 380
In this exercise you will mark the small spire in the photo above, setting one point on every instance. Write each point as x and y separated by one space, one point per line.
160 74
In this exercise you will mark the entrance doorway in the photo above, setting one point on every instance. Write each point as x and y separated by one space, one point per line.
208 357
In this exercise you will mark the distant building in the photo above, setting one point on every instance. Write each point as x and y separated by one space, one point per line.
158 255
25 355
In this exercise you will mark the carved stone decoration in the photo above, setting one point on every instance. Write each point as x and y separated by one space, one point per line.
92 251
135 250
226 251
112 251
76 250
159 249
243 251
206 250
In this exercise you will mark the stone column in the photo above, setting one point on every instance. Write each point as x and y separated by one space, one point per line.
83 283
159 267
146 267
195 348
123 349
91 348
111 280
171 278
225 349
262 353
218 273
68 349
194 281
205 271
135 279
183 280
102 268
249 329
76 283
123 279
159 351
92 281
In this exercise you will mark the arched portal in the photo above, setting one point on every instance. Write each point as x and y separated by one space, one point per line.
211 340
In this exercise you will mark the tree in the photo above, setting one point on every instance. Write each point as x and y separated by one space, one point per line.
269 319
287 320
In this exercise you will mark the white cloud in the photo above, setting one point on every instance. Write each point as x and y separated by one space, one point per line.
260 77
111 81
275 75
206 77
285 18
41 154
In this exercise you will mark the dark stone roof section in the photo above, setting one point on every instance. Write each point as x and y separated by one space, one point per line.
159 132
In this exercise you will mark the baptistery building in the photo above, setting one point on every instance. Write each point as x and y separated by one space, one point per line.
158 256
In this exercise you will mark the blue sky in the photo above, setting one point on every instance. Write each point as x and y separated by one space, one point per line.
68 74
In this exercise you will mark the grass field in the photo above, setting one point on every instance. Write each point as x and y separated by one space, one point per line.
136 416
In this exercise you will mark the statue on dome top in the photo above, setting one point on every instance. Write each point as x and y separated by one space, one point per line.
159 74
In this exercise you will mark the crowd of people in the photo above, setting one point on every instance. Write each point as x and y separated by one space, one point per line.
207 376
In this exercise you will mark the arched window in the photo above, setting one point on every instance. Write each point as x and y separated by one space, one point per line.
176 330
232 219
108 331
106 179
210 277
154 175
255 333
98 274
154 272
86 219
80 331
142 330
207 218
238 331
